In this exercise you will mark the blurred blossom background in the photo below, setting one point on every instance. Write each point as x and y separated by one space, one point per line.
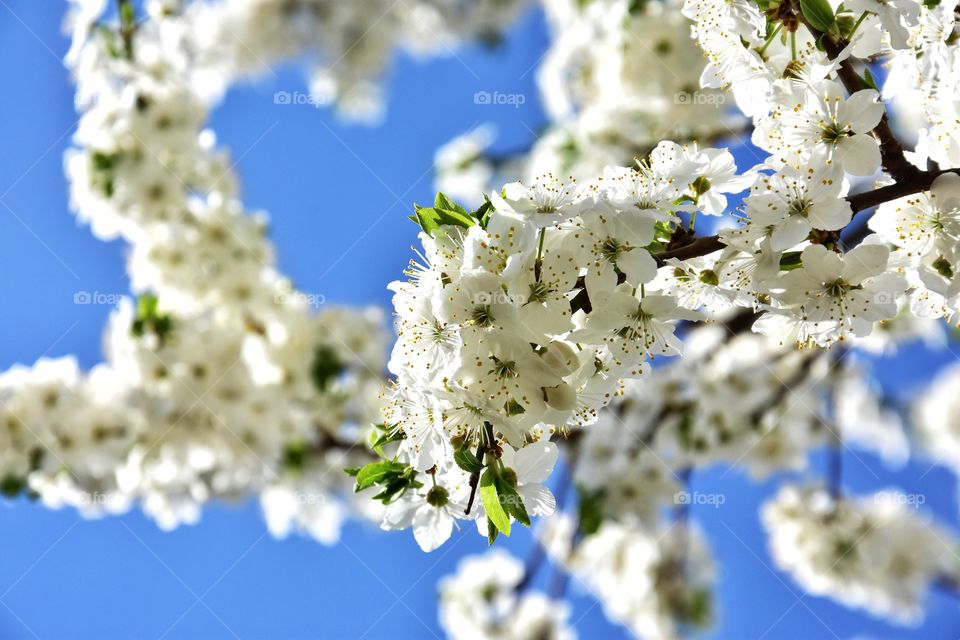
338 195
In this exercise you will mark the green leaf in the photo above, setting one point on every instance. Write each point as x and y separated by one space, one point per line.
513 408
11 485
942 266
818 13
589 510
389 433
443 201
149 319
482 213
467 460
869 80
492 532
790 261
491 503
326 366
294 456
511 500
377 472
395 488
431 218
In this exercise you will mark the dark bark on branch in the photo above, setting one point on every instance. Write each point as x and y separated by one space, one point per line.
920 181
700 247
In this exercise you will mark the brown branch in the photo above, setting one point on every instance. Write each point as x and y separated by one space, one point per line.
920 181
700 247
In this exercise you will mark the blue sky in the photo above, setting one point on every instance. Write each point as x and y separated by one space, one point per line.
338 196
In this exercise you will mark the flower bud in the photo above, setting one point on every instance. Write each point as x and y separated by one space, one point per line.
561 358
561 397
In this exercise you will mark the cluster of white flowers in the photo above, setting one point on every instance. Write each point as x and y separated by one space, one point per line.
482 602
680 417
925 229
220 382
523 319
876 552
526 315
618 77
654 579
936 418
349 44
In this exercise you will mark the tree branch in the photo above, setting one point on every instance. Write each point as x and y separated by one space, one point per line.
699 247
920 181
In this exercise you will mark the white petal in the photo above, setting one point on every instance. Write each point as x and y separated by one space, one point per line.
399 515
865 261
431 527
862 110
859 154
535 462
537 499
638 265
792 232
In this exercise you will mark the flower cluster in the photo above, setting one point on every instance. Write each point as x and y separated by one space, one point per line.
526 314
925 229
528 324
872 553
220 382
617 78
349 43
936 418
654 579
481 602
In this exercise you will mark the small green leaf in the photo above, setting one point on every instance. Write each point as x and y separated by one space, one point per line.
869 80
294 456
492 532
326 366
11 485
590 510
818 13
511 500
942 266
491 503
513 408
482 213
388 434
432 218
443 201
377 472
790 261
149 319
467 460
